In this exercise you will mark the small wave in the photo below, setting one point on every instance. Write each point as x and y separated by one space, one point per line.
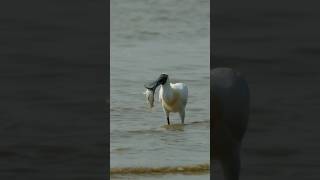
145 131
173 126
163 128
120 150
190 169
150 33
198 122
180 127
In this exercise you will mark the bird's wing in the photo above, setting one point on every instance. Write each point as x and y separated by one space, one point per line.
182 89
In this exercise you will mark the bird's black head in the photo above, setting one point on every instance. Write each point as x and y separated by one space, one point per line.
163 79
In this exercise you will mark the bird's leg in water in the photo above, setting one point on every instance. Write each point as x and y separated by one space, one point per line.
182 114
167 115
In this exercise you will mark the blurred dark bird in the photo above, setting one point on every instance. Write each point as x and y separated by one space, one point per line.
230 108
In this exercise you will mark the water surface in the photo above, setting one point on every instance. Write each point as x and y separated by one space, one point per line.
149 38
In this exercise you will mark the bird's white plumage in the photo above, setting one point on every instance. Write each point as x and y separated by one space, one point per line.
174 98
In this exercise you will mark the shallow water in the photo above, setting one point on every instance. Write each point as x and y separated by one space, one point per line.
149 38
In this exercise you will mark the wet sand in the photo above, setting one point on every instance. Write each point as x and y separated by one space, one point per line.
276 45
197 171
194 169
161 177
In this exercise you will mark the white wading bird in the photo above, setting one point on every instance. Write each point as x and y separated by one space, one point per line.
173 97
230 107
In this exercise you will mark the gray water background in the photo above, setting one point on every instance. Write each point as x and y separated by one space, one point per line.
150 37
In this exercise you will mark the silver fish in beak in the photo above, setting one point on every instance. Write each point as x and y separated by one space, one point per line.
150 97
152 86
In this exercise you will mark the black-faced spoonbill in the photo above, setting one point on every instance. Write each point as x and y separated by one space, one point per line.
230 109
173 97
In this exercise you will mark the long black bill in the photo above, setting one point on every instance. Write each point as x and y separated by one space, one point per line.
152 85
